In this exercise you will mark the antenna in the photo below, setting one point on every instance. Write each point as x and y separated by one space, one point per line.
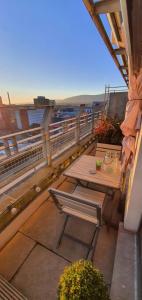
8 98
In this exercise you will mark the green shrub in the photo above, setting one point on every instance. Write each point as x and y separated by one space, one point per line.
81 281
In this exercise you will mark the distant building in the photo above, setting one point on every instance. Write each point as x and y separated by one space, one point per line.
113 104
41 100
116 105
29 117
65 112
35 116
7 120
99 105
21 115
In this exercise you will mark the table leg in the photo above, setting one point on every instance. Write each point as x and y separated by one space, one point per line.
82 183
110 192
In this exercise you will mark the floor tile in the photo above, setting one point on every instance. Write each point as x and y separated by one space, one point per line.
14 254
39 276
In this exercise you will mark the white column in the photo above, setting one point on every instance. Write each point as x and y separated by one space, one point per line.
133 209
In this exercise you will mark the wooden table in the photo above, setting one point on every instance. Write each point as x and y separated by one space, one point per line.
110 177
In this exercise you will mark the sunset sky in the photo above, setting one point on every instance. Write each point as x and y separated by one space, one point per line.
51 48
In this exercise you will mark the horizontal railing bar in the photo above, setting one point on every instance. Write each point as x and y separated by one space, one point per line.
70 124
71 129
85 116
30 146
29 138
61 133
22 177
84 135
63 149
56 135
20 133
17 155
55 129
60 122
83 121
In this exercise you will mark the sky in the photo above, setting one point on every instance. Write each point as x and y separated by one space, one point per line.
51 48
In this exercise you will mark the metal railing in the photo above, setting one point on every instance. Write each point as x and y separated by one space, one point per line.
20 149
36 146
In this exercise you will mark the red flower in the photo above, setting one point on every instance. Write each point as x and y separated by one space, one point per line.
103 126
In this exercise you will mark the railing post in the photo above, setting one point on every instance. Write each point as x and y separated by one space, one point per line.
78 124
15 146
46 135
77 130
93 118
7 148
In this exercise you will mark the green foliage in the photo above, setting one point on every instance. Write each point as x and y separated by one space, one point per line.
81 281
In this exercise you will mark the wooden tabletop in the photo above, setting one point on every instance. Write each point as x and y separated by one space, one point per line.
109 175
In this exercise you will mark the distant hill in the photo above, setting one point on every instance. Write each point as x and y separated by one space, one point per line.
81 99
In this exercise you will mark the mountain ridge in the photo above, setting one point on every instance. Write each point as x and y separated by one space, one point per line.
82 99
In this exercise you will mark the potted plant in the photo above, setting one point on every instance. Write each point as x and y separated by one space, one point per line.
82 281
108 131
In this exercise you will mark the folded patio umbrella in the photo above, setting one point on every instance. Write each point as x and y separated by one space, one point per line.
132 123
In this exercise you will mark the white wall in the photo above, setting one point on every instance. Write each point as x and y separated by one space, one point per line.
18 119
133 210
35 116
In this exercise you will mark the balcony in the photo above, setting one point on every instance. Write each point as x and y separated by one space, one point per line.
31 262
35 159
30 222
38 158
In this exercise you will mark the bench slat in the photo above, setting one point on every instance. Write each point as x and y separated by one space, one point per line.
108 146
89 194
9 292
80 215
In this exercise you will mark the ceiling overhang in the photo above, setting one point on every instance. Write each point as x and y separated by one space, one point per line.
119 43
134 12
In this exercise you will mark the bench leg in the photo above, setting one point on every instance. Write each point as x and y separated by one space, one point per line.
62 232
93 237
95 243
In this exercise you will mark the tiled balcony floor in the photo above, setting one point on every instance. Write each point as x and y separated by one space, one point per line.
31 262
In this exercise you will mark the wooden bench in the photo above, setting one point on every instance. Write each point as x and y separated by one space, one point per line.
9 292
102 148
83 203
